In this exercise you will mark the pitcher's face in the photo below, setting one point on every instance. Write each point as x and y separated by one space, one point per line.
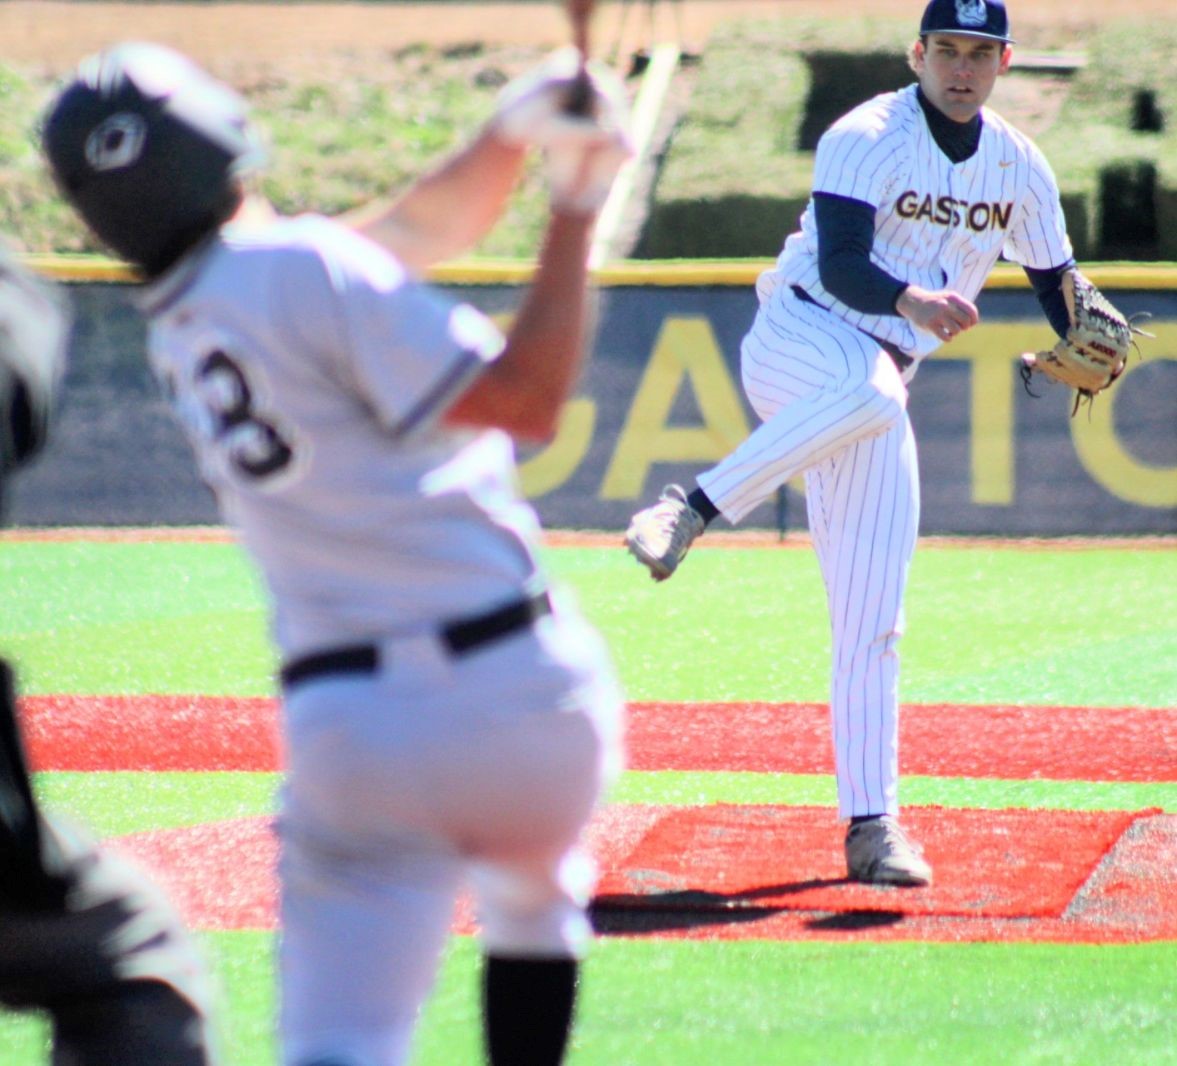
958 72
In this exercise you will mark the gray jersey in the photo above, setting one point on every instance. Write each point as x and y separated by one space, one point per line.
316 423
938 225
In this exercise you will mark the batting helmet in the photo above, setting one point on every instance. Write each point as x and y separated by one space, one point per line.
147 147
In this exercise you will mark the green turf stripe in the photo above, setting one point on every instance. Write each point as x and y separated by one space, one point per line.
753 624
706 1004
1061 795
113 804
674 787
244 965
142 618
658 1003
667 1003
649 1003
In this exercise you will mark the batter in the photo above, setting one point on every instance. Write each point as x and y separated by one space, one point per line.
449 715
916 194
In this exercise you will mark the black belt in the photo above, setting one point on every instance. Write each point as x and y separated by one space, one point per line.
460 637
898 356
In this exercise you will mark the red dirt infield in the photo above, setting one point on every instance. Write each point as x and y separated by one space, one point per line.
726 871
206 733
995 864
764 872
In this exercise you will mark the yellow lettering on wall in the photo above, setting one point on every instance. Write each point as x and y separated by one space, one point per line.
1100 450
991 402
686 348
550 468
1097 446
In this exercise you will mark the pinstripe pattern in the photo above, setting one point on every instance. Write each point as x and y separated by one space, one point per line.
864 514
834 408
937 224
818 385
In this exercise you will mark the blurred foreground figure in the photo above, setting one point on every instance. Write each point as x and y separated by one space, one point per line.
449 715
84 936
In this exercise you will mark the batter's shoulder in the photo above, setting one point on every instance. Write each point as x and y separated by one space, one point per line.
321 244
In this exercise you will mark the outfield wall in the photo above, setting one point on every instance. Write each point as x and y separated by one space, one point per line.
661 399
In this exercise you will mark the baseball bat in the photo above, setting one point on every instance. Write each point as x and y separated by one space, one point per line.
579 14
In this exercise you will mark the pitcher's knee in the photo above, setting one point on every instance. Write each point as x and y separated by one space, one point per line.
886 380
881 409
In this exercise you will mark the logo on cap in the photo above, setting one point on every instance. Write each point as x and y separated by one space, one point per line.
117 142
971 12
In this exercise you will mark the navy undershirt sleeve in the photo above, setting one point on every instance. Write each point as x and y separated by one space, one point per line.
845 234
1048 288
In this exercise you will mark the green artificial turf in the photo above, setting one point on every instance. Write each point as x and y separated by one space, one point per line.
133 618
673 787
985 626
678 1003
121 803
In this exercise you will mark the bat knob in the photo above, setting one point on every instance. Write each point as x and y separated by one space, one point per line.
580 94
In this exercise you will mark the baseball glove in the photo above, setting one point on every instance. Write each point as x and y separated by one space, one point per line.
1095 350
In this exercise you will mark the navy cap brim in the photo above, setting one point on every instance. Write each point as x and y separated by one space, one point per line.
969 33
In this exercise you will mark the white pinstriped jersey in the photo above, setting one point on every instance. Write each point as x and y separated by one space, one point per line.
309 372
938 225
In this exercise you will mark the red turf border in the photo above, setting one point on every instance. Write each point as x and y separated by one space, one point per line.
1127 896
206 733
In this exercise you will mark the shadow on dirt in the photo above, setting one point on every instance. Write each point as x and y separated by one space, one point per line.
620 914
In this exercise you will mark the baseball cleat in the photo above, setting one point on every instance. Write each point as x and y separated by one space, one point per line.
659 536
879 853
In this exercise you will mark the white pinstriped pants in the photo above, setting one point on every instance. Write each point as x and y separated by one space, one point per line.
833 407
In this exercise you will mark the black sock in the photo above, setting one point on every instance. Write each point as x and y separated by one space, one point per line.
527 1009
858 819
702 506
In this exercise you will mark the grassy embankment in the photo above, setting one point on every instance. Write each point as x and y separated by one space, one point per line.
732 168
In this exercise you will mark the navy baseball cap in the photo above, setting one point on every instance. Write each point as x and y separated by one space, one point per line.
970 18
